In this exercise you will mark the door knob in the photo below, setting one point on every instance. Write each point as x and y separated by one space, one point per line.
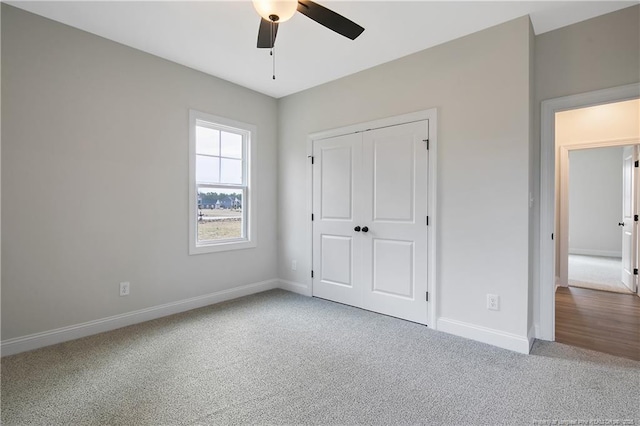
620 223
365 229
357 229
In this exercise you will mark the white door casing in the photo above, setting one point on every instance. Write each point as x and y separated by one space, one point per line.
636 223
629 226
370 211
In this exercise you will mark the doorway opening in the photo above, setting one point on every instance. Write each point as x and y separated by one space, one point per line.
598 228
590 318
598 207
550 230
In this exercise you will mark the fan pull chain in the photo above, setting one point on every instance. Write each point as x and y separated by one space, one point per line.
273 50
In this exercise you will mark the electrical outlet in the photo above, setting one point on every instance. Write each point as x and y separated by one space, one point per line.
493 302
124 288
294 265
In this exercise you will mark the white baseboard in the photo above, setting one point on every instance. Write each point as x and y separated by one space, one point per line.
59 335
34 341
491 336
295 287
601 253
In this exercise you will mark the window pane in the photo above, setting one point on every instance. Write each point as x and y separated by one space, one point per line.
207 169
220 214
207 141
231 145
231 171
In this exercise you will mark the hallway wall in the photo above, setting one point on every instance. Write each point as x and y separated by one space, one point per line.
595 201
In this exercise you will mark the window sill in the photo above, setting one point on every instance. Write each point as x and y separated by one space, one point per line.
221 246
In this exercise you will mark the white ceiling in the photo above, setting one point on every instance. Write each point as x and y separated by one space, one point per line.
219 37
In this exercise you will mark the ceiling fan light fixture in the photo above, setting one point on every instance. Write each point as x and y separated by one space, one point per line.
282 10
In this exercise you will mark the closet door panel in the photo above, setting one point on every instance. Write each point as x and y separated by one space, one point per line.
393 174
392 267
337 250
394 257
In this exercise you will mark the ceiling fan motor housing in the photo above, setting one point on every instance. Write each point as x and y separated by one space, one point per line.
273 12
282 10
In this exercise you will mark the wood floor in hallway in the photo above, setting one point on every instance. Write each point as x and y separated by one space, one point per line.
599 320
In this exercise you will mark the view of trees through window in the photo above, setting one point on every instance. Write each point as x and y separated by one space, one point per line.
219 214
219 169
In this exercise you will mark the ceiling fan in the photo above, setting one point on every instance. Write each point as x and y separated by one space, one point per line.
274 12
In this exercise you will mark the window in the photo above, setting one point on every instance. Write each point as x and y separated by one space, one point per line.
221 202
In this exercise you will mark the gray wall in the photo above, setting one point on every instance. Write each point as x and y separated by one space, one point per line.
95 178
0 166
98 131
596 54
595 201
480 85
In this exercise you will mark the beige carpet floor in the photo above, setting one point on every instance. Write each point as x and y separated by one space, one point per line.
596 273
279 358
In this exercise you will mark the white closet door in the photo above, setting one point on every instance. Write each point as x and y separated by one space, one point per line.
369 228
394 188
337 248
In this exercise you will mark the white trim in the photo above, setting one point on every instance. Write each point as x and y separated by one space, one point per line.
562 232
498 338
432 211
295 287
63 334
377 124
431 116
602 144
590 252
309 230
545 291
249 203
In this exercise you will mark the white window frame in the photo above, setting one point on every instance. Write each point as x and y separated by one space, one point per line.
249 132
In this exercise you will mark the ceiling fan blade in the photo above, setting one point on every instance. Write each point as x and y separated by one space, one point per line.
265 39
330 19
